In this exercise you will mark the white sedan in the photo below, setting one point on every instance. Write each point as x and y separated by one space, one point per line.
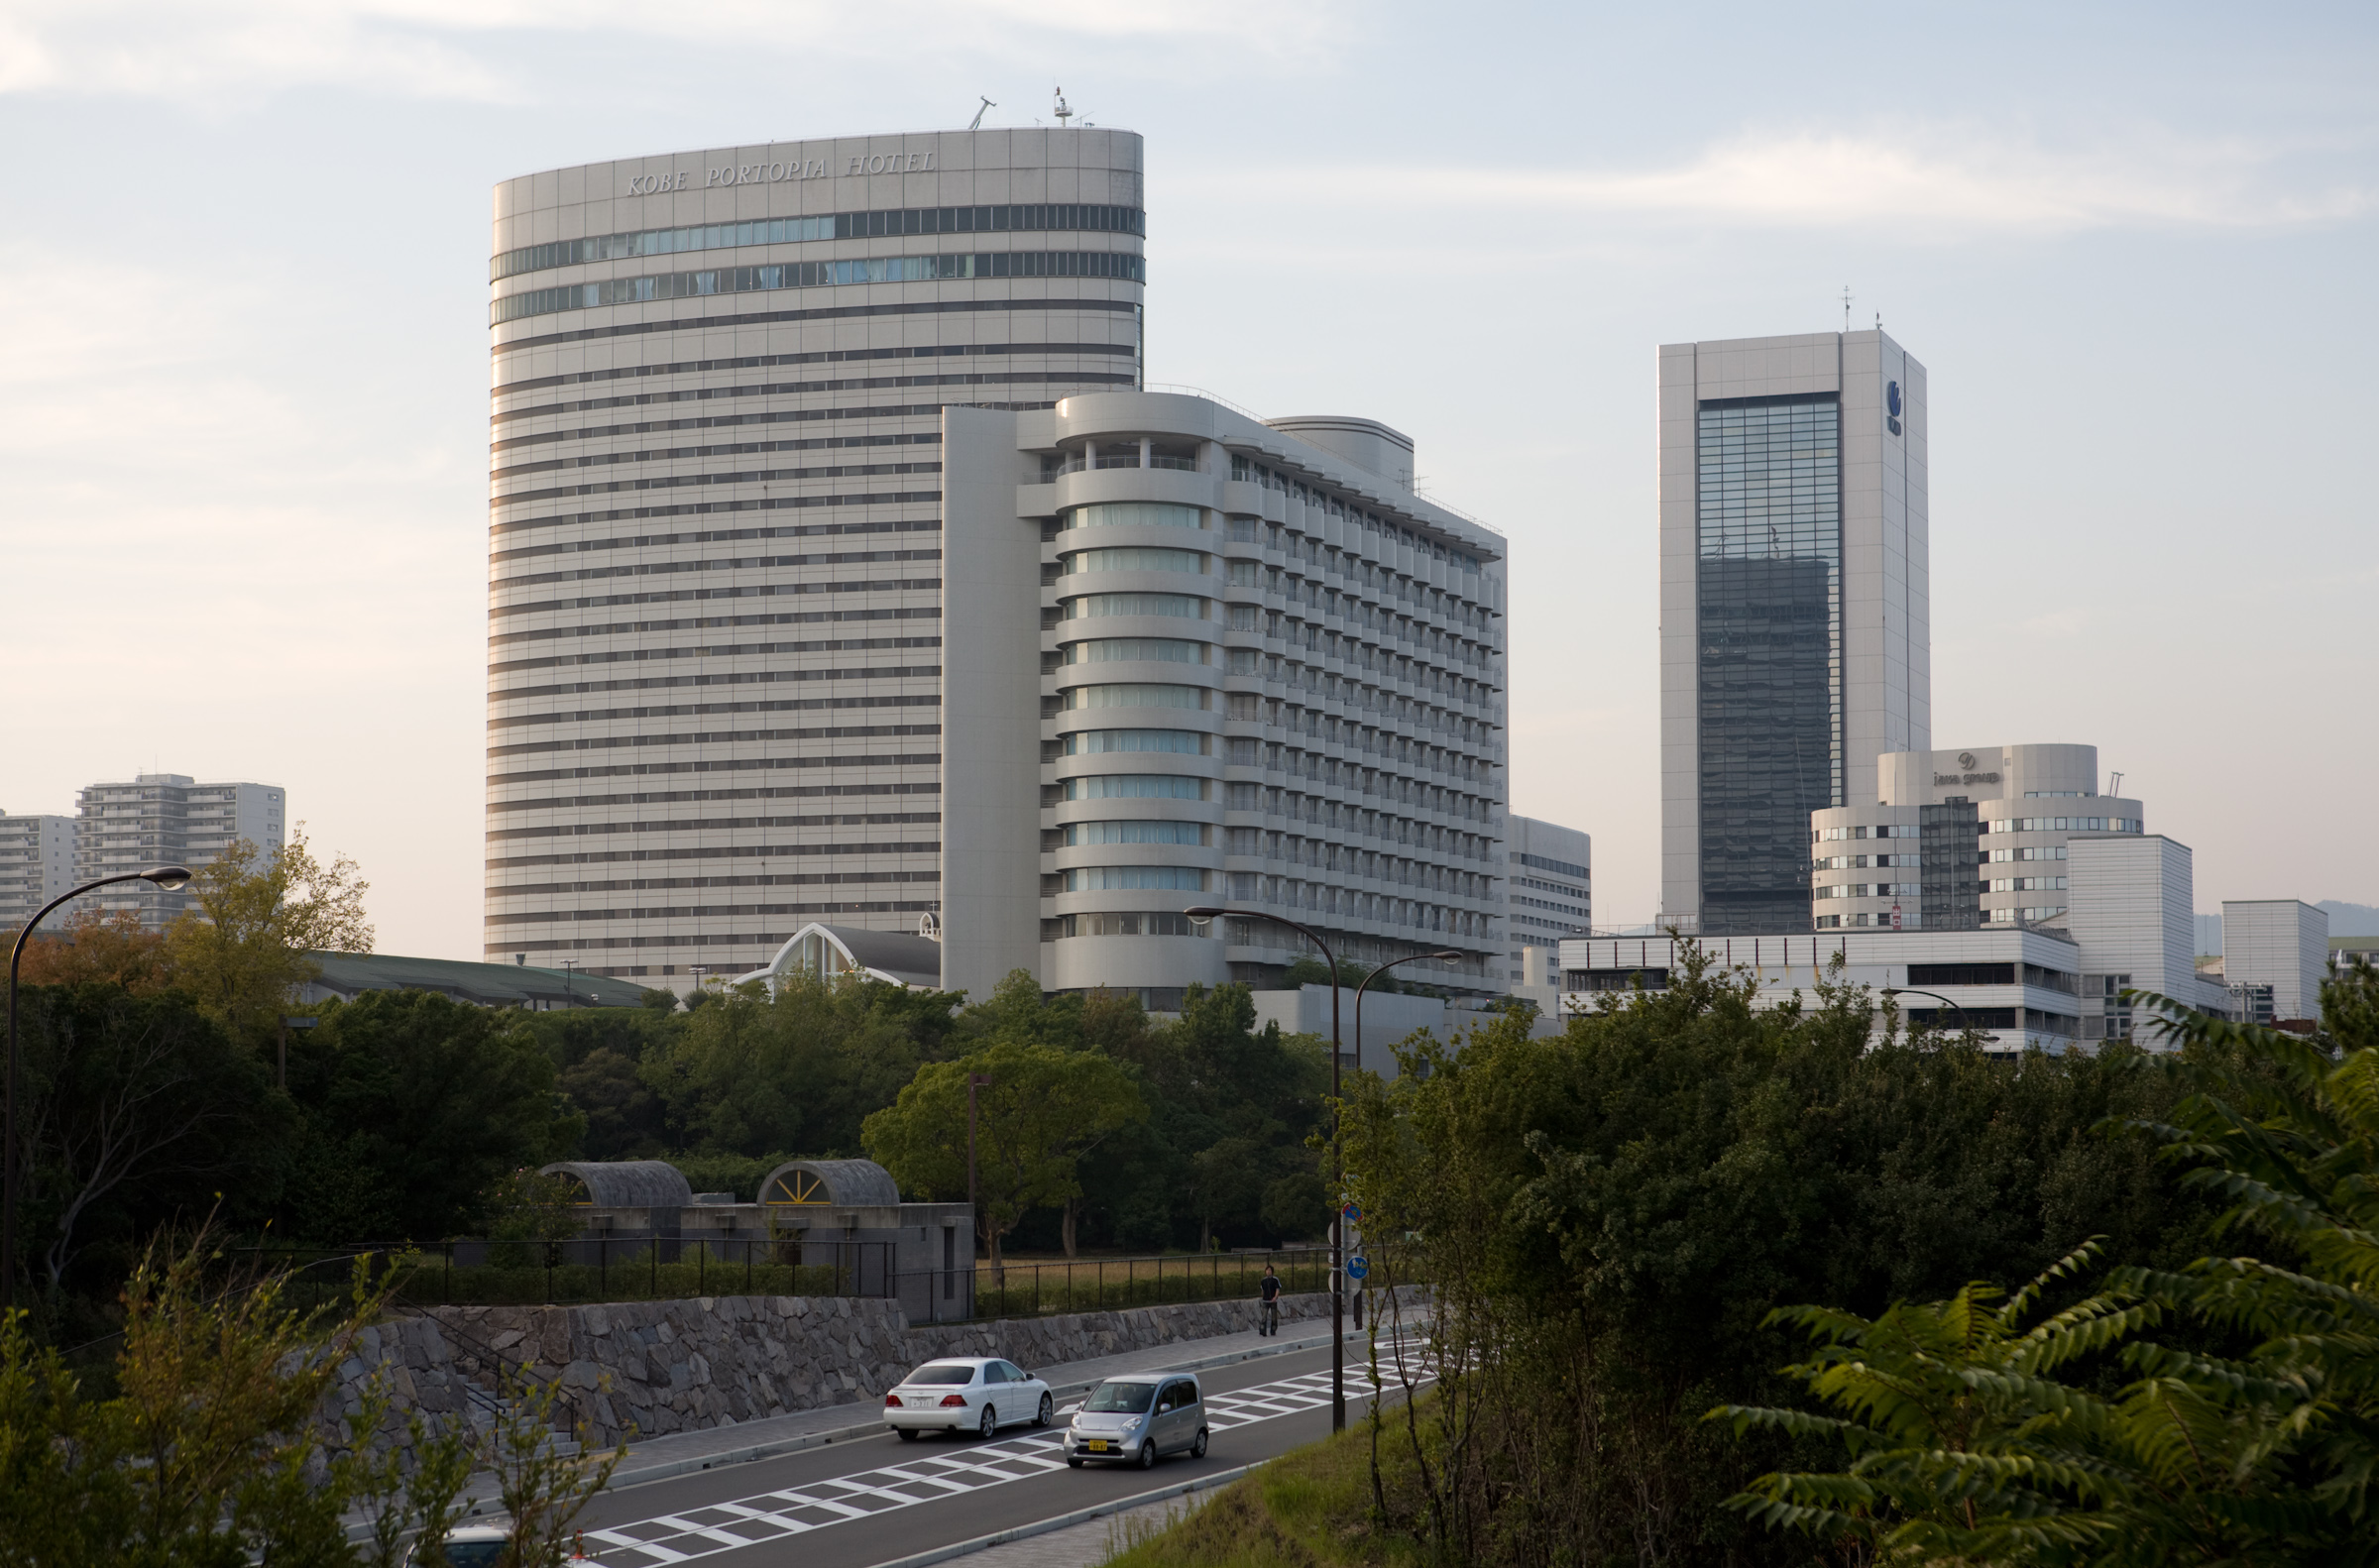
961 1394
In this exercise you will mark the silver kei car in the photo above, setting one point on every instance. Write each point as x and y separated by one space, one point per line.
1139 1419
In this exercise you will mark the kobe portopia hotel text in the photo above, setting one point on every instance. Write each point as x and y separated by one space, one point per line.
845 583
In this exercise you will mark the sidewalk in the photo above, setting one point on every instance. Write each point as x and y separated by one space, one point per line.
718 1447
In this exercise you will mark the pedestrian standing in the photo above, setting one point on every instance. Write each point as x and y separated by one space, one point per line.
1267 1318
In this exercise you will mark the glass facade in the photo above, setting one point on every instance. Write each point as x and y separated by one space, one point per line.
1953 896
1768 611
820 275
1041 217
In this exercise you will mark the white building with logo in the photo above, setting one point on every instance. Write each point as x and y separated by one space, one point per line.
1795 612
1961 838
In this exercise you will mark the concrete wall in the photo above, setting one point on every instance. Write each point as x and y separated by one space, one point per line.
652 1368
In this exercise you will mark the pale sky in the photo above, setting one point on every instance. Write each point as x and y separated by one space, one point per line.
243 396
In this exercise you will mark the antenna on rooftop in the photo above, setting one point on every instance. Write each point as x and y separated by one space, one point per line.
1063 112
1846 308
977 123
2114 784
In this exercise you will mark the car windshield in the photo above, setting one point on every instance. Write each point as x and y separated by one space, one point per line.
941 1372
1132 1396
473 1554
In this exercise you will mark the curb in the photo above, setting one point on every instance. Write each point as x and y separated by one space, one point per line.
1096 1511
668 1469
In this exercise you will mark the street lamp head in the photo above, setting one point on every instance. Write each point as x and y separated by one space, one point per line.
1446 956
1202 911
170 878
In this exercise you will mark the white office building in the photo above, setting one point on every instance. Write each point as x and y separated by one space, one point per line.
1961 838
1794 611
37 864
2275 955
1552 887
2127 928
167 819
964 544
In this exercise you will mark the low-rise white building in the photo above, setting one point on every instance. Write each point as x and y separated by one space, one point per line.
1969 838
1550 889
2127 928
2275 953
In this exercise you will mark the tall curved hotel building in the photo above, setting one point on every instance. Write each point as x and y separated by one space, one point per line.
832 533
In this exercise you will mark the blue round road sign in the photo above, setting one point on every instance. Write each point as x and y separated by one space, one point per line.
1352 1211
1357 1267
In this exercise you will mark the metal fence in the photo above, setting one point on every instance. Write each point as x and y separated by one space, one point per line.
1099 1285
592 1269
601 1268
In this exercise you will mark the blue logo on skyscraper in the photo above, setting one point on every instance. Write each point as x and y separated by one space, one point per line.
1892 403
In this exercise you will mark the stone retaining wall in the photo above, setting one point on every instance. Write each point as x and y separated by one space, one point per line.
652 1368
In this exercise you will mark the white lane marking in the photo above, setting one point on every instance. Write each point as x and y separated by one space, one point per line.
705 1530
771 1516
659 1554
758 1517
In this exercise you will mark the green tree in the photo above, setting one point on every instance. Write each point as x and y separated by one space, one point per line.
243 950
1607 1216
415 1106
136 1112
1043 1110
208 1451
2250 1435
751 1072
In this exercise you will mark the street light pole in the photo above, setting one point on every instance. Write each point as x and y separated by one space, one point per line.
167 879
1442 955
1890 991
1206 911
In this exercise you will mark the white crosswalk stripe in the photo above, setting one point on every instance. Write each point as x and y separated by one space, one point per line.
717 1527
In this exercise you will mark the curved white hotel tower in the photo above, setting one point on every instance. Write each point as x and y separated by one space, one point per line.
814 586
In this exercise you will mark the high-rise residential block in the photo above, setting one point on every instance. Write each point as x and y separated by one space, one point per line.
1794 616
37 864
842 577
167 819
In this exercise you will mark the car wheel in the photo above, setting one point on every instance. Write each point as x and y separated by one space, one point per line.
1048 1409
1148 1455
1073 1463
989 1424
1197 1449
908 1434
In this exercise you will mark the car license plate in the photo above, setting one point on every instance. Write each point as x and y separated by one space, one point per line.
1097 1445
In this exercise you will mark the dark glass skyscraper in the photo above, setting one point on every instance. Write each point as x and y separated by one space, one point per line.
1769 603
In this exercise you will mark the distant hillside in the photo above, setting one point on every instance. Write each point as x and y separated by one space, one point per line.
2350 920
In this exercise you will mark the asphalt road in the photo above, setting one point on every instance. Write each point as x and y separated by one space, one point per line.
877 1500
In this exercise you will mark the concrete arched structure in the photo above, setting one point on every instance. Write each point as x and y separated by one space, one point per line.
625 1183
838 1183
895 958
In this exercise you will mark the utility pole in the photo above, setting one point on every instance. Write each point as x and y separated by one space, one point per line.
974 1209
